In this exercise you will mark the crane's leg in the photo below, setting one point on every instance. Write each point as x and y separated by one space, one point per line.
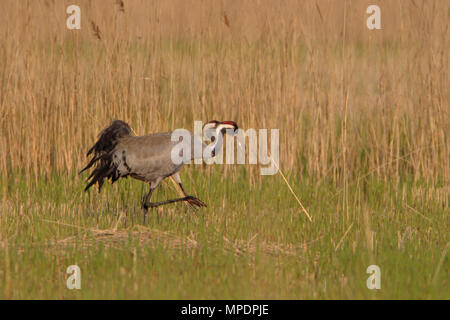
146 199
190 199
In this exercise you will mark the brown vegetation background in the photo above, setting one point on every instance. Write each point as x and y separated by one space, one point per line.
348 101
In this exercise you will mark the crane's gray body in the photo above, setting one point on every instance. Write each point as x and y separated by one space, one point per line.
146 158
118 154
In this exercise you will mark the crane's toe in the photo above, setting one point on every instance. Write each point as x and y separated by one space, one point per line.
195 201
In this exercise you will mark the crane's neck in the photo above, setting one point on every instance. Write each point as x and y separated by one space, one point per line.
214 147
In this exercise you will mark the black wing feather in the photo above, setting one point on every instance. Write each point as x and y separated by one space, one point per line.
102 154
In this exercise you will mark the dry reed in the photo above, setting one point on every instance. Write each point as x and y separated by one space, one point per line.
290 65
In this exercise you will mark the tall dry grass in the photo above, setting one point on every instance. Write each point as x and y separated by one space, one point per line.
349 102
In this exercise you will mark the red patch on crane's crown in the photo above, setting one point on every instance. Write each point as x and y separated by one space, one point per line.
229 122
232 123
216 123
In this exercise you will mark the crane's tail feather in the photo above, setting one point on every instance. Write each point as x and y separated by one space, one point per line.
102 154
93 160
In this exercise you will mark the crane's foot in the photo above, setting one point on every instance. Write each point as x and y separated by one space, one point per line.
195 201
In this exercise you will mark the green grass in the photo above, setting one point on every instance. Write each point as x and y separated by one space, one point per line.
252 241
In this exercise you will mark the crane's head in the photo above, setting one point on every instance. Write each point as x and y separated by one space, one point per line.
223 127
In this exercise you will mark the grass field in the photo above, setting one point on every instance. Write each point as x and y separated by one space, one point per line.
364 142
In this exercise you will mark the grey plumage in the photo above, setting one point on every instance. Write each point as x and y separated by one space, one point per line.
119 154
146 158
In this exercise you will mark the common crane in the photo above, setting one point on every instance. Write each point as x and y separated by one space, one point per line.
119 154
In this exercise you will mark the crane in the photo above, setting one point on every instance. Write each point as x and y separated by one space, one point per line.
119 154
